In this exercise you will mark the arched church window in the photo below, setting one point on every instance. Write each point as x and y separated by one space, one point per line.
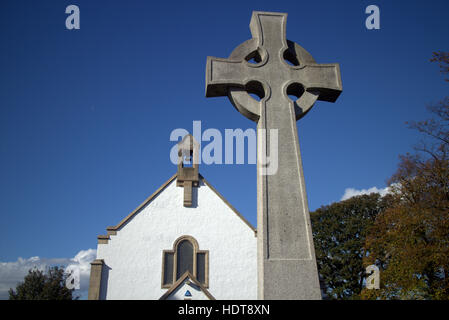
185 257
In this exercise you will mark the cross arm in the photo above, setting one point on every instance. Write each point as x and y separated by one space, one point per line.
324 78
224 73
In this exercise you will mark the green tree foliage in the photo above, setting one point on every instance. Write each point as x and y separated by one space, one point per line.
38 285
410 240
339 232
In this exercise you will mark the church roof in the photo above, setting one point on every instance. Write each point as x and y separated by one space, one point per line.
112 230
187 276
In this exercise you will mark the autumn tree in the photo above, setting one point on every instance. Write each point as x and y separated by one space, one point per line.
410 240
40 285
339 232
443 59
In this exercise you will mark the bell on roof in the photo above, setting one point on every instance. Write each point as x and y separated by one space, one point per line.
188 175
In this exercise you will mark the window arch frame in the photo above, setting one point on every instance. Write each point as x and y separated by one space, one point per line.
174 252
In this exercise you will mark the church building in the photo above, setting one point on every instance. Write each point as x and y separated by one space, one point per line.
184 242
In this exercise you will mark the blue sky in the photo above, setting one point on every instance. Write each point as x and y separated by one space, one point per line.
86 115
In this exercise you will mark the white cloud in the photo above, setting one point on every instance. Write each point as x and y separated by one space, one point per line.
11 273
351 192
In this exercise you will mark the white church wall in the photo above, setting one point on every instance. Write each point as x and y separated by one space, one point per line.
133 257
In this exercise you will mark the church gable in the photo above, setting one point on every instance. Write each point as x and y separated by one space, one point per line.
175 201
143 248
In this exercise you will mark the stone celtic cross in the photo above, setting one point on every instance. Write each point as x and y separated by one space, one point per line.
273 68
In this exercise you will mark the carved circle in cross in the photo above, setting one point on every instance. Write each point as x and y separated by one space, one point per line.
295 57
